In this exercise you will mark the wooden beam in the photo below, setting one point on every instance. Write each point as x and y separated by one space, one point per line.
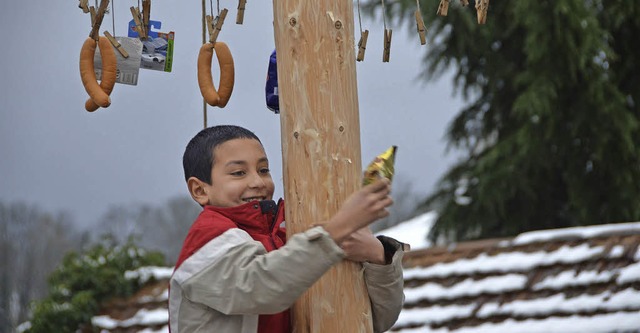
320 133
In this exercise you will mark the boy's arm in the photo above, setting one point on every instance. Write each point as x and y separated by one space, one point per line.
385 285
233 274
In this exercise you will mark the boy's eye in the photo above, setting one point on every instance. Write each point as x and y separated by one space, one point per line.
265 170
237 173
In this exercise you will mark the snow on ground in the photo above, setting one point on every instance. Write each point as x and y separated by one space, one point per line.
413 232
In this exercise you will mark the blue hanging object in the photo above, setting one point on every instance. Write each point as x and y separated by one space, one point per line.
271 88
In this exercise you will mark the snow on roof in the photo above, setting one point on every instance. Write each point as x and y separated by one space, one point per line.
413 232
566 280
577 232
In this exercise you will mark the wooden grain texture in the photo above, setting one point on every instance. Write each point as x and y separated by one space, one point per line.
320 132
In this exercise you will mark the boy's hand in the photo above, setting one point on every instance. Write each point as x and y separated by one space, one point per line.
363 246
361 209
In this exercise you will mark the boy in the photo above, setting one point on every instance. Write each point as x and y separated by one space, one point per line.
235 273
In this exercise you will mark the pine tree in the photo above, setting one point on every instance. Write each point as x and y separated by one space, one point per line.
550 133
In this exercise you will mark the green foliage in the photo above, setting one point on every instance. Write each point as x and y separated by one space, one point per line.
85 280
551 131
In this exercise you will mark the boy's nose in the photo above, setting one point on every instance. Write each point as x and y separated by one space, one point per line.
256 181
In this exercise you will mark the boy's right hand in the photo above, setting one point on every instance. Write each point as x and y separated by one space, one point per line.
362 208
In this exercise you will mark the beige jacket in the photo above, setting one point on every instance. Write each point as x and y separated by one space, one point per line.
226 284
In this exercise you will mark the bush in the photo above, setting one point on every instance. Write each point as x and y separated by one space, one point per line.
84 281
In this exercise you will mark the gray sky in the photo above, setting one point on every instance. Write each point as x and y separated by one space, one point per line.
55 154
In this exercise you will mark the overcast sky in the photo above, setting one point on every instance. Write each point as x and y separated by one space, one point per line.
56 155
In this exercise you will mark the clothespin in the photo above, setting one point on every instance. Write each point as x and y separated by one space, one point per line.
215 26
98 19
420 26
92 11
116 44
387 45
84 4
240 15
464 3
443 8
146 14
362 45
481 7
142 33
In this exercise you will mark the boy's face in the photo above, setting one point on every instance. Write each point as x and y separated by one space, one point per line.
240 174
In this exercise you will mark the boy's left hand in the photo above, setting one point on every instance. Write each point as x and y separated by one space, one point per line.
363 246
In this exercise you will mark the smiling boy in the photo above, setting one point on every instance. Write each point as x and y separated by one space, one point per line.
237 272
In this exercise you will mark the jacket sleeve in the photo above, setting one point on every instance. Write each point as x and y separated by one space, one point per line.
234 274
385 285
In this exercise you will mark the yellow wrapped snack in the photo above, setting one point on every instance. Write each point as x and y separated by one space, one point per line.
381 167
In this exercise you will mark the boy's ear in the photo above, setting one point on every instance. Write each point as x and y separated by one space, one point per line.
198 190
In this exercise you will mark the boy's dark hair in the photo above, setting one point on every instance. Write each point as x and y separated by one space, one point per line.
198 158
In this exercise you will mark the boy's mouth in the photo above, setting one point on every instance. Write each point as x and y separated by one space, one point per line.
253 199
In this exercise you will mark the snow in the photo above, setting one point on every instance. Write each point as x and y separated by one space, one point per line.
629 274
145 273
505 262
560 303
142 317
468 287
164 329
433 314
602 323
576 232
413 232
570 279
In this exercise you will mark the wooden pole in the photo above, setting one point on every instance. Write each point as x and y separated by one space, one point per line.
320 132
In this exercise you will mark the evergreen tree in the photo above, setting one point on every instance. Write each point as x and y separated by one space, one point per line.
550 133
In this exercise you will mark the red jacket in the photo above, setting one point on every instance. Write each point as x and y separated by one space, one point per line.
262 221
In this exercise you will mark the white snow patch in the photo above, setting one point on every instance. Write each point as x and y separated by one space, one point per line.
143 317
630 273
146 273
506 262
467 287
570 279
413 232
576 232
433 314
612 322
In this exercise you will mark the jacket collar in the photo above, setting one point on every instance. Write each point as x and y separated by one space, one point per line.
255 216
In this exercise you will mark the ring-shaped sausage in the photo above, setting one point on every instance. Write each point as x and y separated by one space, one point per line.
208 90
109 72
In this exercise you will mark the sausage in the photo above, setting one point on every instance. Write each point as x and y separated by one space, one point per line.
99 94
205 81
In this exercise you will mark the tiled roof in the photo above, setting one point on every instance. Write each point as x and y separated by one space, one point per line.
566 280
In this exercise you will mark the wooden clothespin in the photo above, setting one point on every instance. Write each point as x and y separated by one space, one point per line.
240 15
84 5
387 45
215 25
98 19
420 26
464 3
92 11
443 8
146 14
142 33
116 44
482 6
362 45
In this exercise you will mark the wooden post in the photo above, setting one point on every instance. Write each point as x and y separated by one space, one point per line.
320 132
